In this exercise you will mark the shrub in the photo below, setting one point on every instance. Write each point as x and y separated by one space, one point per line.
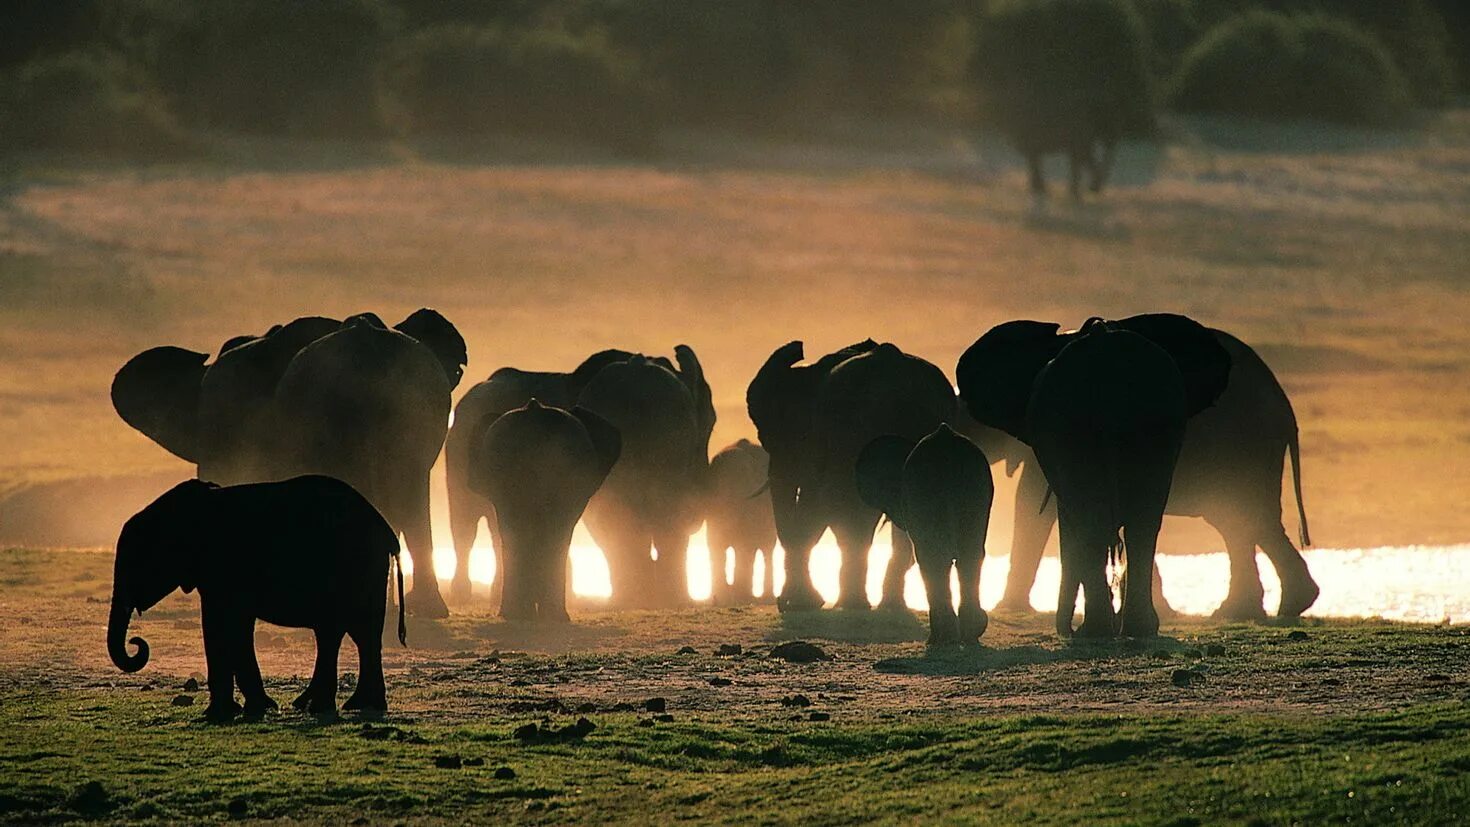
1051 71
474 81
283 67
85 102
1270 65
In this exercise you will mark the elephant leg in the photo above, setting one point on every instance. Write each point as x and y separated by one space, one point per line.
720 590
221 654
855 540
1038 175
1139 618
1161 603
497 550
552 605
1298 589
320 697
672 569
1028 541
742 591
1076 161
1245 597
465 510
799 594
424 599
1084 561
898 568
371 694
973 620
943 625
247 671
518 600
768 576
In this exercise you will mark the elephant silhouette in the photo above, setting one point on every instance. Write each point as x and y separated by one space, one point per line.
308 552
652 498
354 400
1229 473
539 466
1104 410
739 520
814 420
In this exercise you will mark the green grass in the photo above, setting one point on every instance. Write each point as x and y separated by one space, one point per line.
153 760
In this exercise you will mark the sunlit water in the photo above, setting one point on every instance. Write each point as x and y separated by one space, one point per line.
1416 583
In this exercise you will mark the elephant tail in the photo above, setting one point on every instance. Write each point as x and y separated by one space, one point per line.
402 623
1296 482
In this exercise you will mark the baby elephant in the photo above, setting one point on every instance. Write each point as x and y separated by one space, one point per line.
308 552
538 466
939 491
739 515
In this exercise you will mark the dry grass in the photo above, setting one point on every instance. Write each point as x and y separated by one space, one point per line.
1347 268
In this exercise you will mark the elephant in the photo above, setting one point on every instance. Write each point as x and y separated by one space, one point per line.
505 390
307 552
656 416
1104 410
353 400
814 420
654 497
738 518
1229 473
539 466
939 491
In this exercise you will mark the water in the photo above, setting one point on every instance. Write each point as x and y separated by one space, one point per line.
1413 583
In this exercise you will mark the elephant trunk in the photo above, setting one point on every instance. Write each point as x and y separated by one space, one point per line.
1067 601
117 630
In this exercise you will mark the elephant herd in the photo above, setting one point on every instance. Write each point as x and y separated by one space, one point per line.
1112 426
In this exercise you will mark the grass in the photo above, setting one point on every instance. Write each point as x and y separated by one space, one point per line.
1360 720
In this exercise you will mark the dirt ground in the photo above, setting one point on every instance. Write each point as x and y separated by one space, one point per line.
1340 255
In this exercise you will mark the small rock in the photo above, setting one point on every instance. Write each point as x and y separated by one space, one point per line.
474 762
237 807
1186 677
795 718
687 650
655 705
1297 634
1160 654
1215 650
729 650
796 700
586 707
581 729
819 716
527 732
624 706
1192 652
147 687
720 681
191 685
183 700
664 719
645 722
505 773
90 798
360 820
799 651
1437 678
448 762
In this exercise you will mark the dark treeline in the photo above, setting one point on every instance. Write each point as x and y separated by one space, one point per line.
153 76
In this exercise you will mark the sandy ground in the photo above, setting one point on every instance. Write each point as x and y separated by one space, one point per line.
1342 256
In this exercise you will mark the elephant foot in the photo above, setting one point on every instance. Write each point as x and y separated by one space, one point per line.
973 624
1011 604
426 603
1240 609
220 712
892 604
943 631
1095 628
256 707
460 589
854 603
321 704
1298 597
1139 624
799 598
363 700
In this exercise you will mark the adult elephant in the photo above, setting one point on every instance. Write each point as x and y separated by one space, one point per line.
353 400
665 414
1229 473
1104 409
814 420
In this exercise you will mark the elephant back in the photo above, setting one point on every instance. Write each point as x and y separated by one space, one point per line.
652 409
946 491
1110 383
536 457
884 391
738 472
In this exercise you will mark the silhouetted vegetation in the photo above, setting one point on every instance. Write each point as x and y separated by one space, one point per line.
618 71
1271 65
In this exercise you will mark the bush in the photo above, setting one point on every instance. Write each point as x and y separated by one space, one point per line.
280 67
1269 65
85 102
1050 72
475 81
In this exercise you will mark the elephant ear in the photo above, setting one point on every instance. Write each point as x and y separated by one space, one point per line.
880 475
237 341
1202 359
996 373
607 440
692 374
437 334
157 392
766 395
